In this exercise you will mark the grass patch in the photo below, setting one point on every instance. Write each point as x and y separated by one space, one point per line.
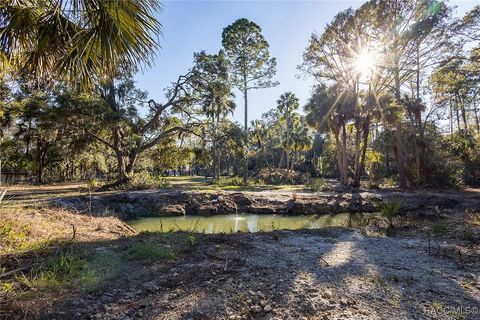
473 218
83 269
101 269
147 251
18 239
56 273
440 228
317 185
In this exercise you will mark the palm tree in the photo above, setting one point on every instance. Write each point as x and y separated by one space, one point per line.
301 139
286 104
77 40
219 104
217 96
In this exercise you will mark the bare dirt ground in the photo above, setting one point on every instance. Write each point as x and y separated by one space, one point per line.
427 270
331 273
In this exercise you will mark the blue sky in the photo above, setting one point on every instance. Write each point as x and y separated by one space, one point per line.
193 26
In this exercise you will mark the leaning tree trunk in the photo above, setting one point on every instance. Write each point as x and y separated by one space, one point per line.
122 174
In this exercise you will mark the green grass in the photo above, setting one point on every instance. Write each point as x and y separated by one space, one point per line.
197 183
440 228
82 269
147 251
100 269
56 273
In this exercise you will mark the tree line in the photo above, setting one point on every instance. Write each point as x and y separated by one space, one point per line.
396 98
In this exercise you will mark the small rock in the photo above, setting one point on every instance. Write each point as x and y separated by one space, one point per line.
267 308
250 292
327 294
326 306
343 302
263 303
256 309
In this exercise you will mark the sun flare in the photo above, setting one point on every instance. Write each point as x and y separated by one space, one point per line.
364 63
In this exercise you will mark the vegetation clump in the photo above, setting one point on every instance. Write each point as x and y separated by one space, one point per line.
317 185
389 210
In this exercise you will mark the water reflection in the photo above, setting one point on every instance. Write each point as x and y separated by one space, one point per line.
243 222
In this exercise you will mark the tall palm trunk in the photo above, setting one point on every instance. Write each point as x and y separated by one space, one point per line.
400 155
287 146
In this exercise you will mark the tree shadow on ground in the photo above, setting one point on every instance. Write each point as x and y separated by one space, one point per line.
326 273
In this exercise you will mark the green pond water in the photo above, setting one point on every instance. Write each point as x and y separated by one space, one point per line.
243 222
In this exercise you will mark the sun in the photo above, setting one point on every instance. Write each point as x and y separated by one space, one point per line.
364 62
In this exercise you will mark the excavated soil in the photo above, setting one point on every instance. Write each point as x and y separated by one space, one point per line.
128 205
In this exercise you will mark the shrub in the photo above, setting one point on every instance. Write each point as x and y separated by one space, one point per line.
389 210
279 176
317 184
390 182
144 180
231 181
94 183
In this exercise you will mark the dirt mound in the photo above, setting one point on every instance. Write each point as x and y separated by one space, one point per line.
129 205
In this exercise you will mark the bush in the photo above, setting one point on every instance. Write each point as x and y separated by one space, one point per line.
144 180
390 209
231 181
279 176
317 185
94 183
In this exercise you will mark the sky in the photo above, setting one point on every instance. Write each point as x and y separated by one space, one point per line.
193 26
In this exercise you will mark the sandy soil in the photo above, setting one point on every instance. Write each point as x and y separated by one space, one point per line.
331 273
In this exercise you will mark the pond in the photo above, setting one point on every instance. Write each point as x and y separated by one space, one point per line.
244 222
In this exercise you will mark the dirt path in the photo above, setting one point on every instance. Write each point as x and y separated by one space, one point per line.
324 274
